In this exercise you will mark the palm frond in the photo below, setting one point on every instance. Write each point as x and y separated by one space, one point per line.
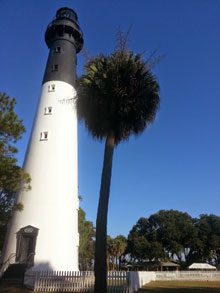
117 94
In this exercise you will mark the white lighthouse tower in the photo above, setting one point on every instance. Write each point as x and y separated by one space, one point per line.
44 236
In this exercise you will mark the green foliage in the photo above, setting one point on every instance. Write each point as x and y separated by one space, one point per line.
118 95
116 248
12 177
175 231
143 243
86 242
11 127
206 248
174 235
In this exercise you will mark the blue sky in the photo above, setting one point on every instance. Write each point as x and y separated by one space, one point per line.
175 164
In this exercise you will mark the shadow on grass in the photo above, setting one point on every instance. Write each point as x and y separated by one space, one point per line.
13 289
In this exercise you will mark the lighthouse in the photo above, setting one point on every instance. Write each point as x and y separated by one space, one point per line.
44 235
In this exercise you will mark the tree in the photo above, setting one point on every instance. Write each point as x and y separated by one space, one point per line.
121 246
86 242
116 248
167 234
206 247
109 247
175 231
143 242
12 177
118 96
175 235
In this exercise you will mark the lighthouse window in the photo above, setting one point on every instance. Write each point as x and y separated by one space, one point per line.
51 88
54 67
57 50
44 135
47 110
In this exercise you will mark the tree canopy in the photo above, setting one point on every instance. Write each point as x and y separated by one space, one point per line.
206 247
118 95
116 248
12 177
86 242
166 235
175 235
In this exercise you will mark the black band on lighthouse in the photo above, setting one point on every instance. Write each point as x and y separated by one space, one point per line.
64 39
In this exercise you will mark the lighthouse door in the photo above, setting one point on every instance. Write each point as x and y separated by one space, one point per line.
26 243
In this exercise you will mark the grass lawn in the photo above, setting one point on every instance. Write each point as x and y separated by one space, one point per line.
153 287
181 287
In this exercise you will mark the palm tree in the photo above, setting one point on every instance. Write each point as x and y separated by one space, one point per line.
117 96
116 247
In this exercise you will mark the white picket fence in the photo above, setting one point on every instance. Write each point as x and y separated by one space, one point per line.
118 282
188 276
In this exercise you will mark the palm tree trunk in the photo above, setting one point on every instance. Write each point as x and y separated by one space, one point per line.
101 220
